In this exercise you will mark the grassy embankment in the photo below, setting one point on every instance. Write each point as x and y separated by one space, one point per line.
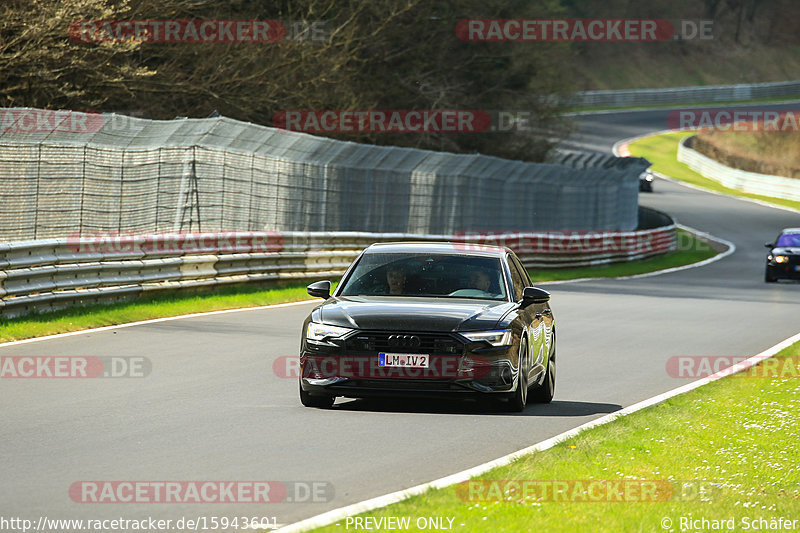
766 152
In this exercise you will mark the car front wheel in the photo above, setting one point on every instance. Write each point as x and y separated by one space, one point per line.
544 392
519 398
321 402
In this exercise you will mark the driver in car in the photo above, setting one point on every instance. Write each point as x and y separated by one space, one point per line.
479 279
396 279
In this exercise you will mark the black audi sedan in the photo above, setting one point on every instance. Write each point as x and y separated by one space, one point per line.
430 320
783 260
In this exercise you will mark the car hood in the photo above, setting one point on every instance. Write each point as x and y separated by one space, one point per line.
413 314
792 250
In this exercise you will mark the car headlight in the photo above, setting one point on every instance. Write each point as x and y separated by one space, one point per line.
781 259
319 332
501 337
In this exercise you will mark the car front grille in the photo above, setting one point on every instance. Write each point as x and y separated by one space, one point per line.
405 342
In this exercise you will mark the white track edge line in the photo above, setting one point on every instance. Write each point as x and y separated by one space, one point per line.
152 321
394 497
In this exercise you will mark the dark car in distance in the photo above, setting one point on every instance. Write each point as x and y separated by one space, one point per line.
430 320
646 181
783 260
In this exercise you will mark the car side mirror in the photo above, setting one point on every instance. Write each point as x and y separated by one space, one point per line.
320 289
769 245
534 295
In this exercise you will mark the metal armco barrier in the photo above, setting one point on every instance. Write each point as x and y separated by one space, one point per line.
733 178
38 276
687 95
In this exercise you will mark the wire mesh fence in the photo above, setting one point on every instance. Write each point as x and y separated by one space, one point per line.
63 173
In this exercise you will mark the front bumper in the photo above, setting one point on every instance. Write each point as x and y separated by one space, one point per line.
456 368
785 270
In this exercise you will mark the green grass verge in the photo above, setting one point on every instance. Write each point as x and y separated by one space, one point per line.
724 451
662 152
174 303
155 306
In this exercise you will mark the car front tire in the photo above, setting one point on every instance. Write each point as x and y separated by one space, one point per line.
768 277
320 402
519 398
544 392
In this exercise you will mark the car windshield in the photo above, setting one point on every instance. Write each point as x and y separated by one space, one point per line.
426 275
789 240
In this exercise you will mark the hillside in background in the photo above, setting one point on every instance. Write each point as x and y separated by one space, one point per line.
715 64
379 55
752 41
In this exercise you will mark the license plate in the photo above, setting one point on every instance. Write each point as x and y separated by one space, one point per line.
797 268
404 360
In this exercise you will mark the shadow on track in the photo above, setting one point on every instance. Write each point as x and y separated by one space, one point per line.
469 407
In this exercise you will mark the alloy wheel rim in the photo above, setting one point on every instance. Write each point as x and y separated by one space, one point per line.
523 377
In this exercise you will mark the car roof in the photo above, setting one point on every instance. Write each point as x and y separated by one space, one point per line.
443 247
790 230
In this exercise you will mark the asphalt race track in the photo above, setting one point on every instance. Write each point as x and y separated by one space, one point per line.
213 409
